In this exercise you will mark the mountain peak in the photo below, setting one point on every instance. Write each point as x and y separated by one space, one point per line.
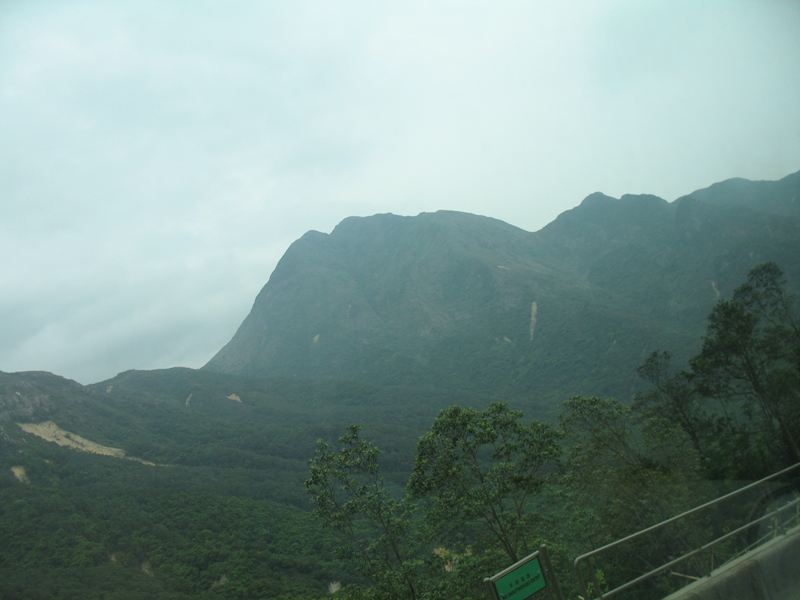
597 199
774 197
457 300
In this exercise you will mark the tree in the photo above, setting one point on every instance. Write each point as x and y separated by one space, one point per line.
739 402
483 468
673 398
476 473
622 474
620 464
350 496
750 362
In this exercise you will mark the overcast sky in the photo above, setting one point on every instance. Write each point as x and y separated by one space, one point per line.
158 158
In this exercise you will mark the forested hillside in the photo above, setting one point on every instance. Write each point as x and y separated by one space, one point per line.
492 487
220 510
464 391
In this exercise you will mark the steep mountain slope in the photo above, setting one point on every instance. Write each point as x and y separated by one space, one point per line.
467 302
391 299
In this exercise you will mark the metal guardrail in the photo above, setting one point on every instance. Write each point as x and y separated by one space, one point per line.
592 583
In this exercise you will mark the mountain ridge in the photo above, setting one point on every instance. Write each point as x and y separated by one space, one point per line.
383 322
451 299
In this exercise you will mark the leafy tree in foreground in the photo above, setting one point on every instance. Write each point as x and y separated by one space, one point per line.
751 358
674 399
484 467
623 474
739 402
476 473
627 472
349 496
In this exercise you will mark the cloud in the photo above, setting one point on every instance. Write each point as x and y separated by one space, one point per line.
160 157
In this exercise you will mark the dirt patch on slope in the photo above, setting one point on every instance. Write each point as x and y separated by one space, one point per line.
51 432
20 474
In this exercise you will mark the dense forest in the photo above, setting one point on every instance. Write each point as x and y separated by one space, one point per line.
487 488
424 504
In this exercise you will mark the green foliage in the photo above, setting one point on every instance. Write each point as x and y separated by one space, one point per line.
751 360
739 402
483 468
89 540
476 474
228 517
623 474
733 414
253 452
619 467
349 496
479 474
673 399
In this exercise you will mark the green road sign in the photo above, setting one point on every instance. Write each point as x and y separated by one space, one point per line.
520 581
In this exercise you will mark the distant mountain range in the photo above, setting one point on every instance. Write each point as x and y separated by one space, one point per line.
181 483
463 306
465 302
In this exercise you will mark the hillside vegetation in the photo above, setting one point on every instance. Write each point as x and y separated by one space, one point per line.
458 301
590 370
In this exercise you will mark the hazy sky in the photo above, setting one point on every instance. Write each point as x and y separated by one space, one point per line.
158 158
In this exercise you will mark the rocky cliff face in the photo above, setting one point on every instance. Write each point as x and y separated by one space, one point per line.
24 394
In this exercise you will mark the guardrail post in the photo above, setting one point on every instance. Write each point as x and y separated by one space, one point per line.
548 566
597 593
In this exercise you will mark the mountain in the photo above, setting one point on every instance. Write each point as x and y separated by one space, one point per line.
466 302
780 197
183 483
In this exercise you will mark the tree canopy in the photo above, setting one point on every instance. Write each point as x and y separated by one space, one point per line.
486 488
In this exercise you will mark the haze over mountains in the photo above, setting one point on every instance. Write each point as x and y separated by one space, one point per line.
465 302
383 322
472 305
